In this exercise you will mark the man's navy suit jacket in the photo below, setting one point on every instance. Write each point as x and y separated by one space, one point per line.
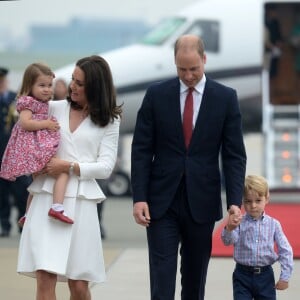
160 159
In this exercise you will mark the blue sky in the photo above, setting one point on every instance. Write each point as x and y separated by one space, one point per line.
16 16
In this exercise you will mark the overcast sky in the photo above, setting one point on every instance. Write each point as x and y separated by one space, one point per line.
17 16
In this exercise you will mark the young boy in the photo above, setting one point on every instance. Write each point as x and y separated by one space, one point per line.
253 236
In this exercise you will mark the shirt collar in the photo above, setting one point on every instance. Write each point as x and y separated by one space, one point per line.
259 219
199 86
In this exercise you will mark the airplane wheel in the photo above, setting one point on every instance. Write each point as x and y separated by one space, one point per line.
118 184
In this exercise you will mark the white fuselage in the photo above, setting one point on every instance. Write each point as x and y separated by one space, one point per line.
233 34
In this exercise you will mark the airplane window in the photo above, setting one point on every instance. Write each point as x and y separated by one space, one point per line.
209 31
163 31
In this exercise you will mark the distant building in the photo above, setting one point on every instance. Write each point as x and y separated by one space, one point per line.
85 35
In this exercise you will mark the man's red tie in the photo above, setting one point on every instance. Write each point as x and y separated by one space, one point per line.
188 117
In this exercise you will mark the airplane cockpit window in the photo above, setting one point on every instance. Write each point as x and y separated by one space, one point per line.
163 31
209 32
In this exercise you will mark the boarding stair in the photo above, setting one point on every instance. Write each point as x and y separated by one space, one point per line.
281 132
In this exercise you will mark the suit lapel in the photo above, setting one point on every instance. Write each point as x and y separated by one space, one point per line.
173 103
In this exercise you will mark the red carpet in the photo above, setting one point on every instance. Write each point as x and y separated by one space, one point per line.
287 214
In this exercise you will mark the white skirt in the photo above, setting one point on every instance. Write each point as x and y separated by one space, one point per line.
70 251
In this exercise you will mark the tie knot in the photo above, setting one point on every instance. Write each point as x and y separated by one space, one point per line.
190 91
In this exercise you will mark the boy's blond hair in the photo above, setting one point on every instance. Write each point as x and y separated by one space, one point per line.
257 184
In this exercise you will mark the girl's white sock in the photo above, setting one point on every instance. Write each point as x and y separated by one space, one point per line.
57 207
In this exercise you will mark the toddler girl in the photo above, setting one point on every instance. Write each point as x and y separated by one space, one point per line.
35 137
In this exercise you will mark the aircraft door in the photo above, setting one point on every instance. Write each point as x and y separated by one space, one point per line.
281 95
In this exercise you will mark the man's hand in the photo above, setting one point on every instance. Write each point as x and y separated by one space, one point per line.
141 213
233 209
281 285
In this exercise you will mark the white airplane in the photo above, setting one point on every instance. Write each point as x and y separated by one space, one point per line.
232 31
234 52
233 34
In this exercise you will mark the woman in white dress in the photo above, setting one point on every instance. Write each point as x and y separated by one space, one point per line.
89 121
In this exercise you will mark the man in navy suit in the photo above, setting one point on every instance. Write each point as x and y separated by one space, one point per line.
177 186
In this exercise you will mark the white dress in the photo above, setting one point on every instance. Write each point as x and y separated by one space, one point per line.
70 251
